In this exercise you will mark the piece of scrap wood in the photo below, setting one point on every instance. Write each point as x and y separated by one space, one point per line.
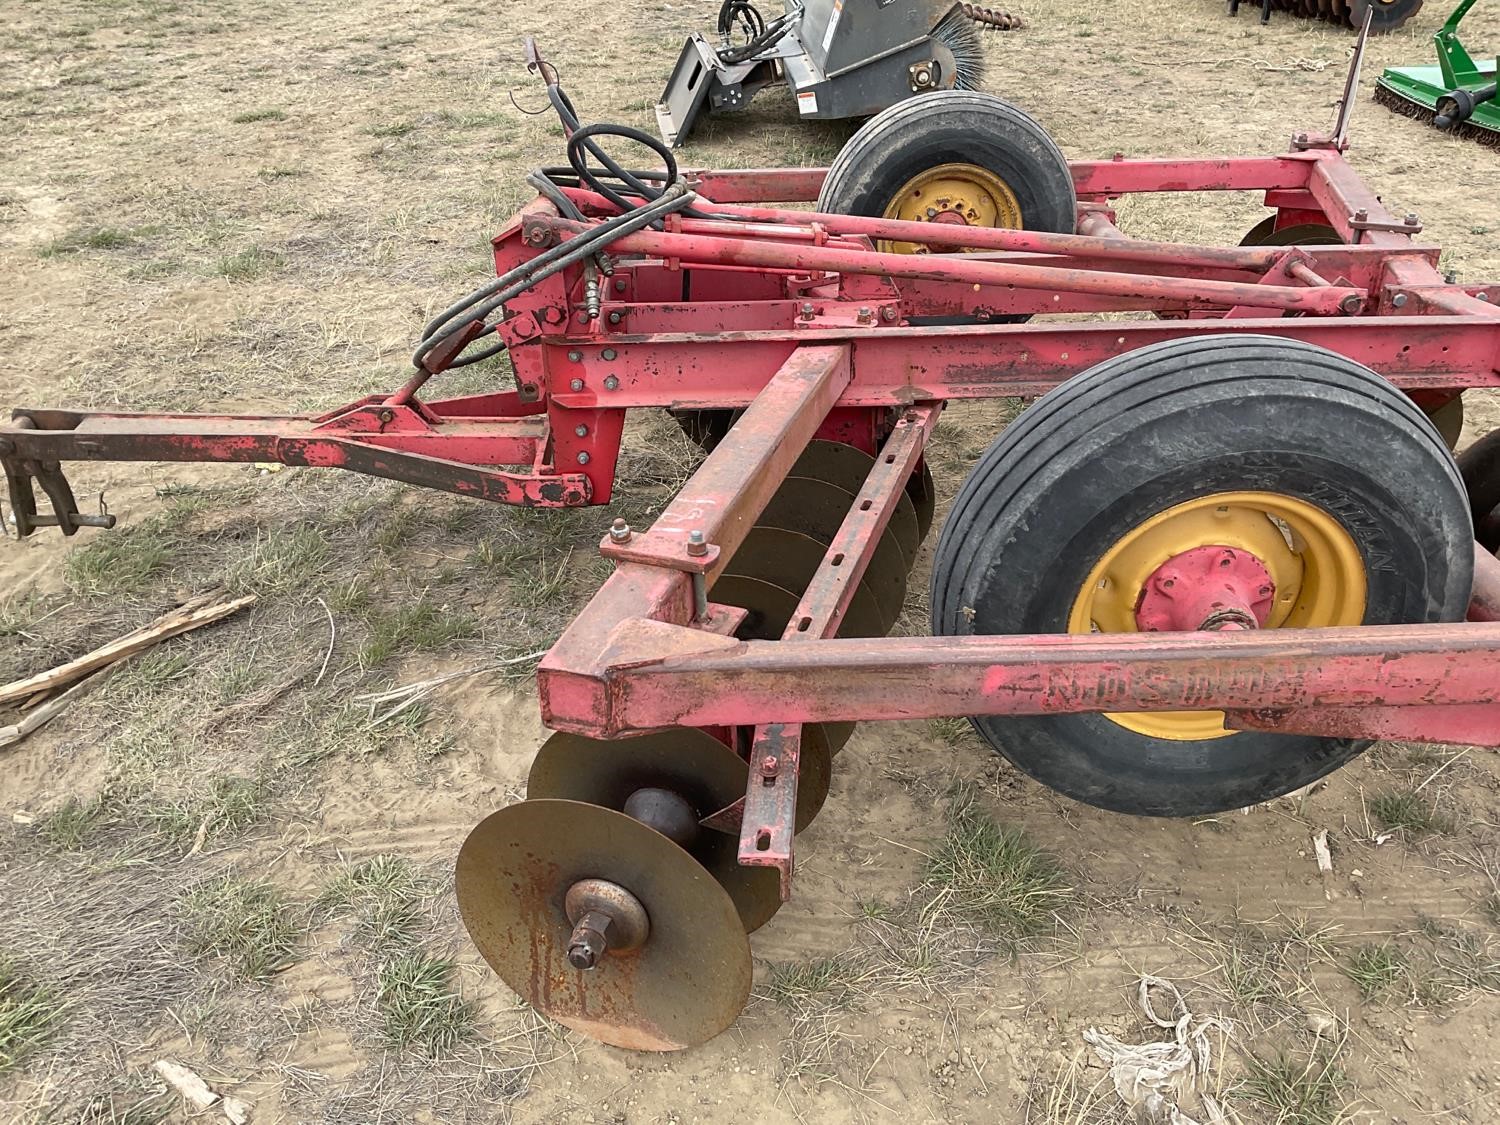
188 616
48 711
186 1082
198 1094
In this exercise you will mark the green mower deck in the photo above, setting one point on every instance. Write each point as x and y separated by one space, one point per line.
1457 95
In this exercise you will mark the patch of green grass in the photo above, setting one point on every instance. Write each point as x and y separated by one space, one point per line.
250 116
385 894
416 626
1296 1093
1408 812
473 119
122 561
1375 968
154 269
245 923
88 238
69 826
394 129
29 1014
997 877
231 805
248 264
419 1004
827 980
283 560
952 731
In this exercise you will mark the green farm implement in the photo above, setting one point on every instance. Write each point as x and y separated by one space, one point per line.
1457 95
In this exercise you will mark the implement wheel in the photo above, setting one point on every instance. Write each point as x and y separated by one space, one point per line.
955 156
1324 493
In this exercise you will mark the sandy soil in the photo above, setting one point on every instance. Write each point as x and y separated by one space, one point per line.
286 190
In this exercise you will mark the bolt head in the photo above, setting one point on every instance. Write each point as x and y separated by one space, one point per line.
1399 300
610 382
888 313
581 430
1411 219
1481 296
619 285
608 354
615 317
575 356
769 764
583 457
807 311
575 384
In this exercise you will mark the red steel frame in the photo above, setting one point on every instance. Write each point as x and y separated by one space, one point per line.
802 320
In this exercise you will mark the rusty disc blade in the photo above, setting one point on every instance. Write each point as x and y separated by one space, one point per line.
698 768
787 560
922 492
770 608
804 505
686 983
847 467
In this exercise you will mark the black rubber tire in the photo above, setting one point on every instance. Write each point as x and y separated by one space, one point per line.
1153 428
947 127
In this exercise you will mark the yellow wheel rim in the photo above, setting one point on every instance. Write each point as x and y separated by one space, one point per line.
1317 569
960 191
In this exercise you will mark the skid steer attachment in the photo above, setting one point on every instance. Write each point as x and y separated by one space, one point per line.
840 59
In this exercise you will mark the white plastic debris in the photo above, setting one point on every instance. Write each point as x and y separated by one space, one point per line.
1157 1080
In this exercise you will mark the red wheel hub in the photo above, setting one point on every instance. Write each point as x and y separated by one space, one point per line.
1213 588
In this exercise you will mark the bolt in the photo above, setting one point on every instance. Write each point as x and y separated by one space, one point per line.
697 546
1265 591
1168 583
583 457
610 382
865 316
1361 216
769 765
619 531
1411 220
608 354
387 415
616 316
575 384
807 311
1350 304
1481 296
575 356
619 285
581 431
1300 138
889 313
583 314
1398 300
537 236
932 212
588 941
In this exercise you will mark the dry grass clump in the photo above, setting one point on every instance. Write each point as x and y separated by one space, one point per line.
29 1013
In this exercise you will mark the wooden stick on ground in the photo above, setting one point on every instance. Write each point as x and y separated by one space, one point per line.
191 615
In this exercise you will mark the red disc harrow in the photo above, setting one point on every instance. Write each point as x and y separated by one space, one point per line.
1232 546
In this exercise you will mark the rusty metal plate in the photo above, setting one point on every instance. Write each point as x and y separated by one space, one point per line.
689 762
787 560
804 505
846 467
684 985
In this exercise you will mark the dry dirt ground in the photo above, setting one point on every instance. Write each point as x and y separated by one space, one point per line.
224 858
